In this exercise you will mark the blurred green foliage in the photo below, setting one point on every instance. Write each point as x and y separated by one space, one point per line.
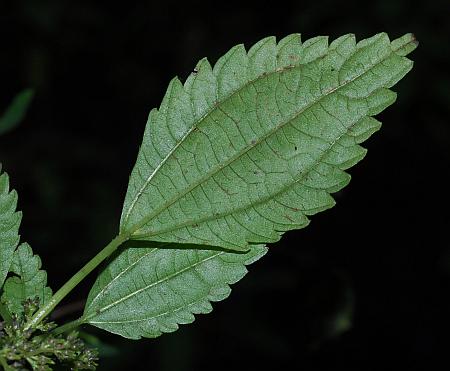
16 111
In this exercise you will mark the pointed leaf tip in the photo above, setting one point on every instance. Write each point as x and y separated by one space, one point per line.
405 45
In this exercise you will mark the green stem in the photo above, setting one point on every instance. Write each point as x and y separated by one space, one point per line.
4 312
5 365
69 326
75 280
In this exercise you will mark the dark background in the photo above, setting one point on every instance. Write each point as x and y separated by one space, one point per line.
365 287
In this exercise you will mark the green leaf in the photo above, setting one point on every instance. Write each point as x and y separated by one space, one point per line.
247 150
9 226
16 111
146 291
30 281
236 156
27 281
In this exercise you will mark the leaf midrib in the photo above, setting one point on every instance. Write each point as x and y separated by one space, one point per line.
195 126
153 284
104 289
176 309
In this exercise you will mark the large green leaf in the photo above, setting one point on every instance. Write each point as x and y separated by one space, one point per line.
29 281
9 226
236 156
248 149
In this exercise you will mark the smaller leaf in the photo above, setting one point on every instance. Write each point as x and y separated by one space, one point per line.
405 44
147 291
29 283
16 111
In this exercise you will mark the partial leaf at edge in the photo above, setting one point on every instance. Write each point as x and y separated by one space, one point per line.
247 150
9 226
28 281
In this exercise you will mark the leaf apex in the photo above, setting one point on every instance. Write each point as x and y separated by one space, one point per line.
405 44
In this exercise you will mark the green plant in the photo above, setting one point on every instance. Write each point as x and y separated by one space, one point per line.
241 153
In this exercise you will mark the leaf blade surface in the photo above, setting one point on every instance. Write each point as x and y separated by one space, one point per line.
146 291
229 158
241 153
28 282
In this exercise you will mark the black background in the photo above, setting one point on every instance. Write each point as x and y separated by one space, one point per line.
380 259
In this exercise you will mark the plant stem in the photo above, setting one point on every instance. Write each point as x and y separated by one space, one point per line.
68 326
75 280
5 364
4 312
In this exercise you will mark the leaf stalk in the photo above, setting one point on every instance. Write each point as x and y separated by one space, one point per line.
75 280
69 326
